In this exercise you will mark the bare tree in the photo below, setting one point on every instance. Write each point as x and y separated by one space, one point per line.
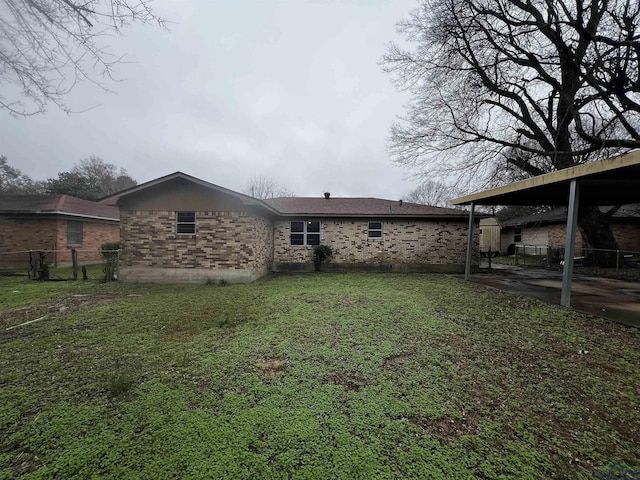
263 188
48 46
432 192
534 85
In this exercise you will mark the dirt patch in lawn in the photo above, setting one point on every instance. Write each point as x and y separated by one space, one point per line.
447 428
391 362
352 382
270 367
64 306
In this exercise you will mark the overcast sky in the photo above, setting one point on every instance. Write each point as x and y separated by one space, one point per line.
287 89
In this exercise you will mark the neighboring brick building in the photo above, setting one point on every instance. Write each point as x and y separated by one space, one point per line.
55 224
180 228
549 229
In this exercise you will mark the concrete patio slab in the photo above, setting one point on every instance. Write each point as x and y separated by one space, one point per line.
616 300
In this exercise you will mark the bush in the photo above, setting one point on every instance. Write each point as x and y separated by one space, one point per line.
110 254
320 254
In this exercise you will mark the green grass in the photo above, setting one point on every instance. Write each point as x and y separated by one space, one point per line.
314 376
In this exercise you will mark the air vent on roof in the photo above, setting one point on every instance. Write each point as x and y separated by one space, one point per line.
327 195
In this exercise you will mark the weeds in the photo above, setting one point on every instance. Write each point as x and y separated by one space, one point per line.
334 376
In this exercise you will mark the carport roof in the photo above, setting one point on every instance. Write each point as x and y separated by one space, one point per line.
614 181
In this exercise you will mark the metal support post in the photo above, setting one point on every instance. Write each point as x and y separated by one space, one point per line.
467 267
569 249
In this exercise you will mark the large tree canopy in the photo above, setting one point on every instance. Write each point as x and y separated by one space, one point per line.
538 84
91 179
13 181
48 46
509 88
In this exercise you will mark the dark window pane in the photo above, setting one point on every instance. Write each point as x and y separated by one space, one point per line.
375 225
375 233
186 228
297 226
313 239
74 232
517 234
297 239
186 217
313 227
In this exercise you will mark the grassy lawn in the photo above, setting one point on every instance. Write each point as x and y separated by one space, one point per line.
316 376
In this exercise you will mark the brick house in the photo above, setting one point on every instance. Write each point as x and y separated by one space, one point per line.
55 224
180 228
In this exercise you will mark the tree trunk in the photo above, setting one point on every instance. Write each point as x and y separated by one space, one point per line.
598 235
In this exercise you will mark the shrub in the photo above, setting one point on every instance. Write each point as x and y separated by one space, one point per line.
320 254
110 254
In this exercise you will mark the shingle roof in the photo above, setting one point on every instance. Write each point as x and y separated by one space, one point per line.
359 207
57 205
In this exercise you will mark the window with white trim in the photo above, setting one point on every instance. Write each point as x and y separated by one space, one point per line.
305 233
186 223
517 234
375 230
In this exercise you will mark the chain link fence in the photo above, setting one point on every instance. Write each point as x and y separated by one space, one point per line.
60 264
596 261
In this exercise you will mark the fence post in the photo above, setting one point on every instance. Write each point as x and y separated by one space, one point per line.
74 261
489 257
617 261
515 261
32 265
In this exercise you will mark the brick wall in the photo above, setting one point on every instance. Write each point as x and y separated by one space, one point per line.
22 234
437 242
628 235
558 236
94 234
223 241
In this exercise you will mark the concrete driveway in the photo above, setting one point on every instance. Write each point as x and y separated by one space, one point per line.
616 300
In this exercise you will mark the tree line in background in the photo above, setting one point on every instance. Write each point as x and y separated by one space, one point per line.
91 178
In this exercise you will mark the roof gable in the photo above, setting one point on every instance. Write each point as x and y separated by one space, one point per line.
158 182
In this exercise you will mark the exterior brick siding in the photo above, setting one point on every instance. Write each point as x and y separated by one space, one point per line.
223 241
628 235
403 242
50 234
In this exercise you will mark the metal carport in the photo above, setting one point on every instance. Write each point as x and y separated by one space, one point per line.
614 181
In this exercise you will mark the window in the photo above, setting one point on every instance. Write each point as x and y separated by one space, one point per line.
305 233
186 223
517 234
74 233
375 230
